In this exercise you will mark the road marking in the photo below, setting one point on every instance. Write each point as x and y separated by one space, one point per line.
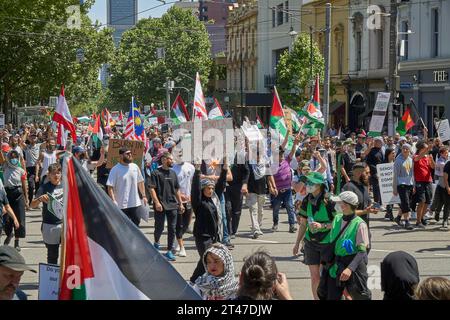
381 250
264 241
442 254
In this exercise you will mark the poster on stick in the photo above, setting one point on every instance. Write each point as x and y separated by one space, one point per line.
48 282
443 130
379 114
386 182
137 149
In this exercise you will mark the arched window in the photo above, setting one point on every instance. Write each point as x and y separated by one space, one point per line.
357 34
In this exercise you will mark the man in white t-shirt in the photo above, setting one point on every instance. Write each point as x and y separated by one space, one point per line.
125 182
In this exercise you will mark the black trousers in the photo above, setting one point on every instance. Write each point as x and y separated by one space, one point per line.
375 189
201 243
183 221
171 226
233 205
16 200
52 253
133 214
32 185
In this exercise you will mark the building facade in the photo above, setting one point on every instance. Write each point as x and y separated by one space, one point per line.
276 19
121 16
241 53
313 14
368 58
424 66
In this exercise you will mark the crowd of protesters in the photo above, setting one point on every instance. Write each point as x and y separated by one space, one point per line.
329 187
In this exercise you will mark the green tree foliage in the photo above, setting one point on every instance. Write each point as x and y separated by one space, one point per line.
293 71
136 70
39 49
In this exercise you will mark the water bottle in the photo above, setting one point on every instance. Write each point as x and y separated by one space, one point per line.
310 221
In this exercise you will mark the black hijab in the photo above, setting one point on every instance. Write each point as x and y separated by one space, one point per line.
399 276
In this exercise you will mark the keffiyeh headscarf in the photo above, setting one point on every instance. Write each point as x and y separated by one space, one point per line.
222 287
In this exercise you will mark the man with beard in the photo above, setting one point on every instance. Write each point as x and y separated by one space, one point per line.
125 182
12 267
359 184
166 196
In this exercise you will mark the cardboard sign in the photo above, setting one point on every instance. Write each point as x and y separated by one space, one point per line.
2 121
208 139
48 282
137 149
379 114
386 181
443 130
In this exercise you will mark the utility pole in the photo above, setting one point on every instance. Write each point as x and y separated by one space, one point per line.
326 93
168 88
242 85
393 68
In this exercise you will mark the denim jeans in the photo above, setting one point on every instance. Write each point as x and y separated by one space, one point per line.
286 198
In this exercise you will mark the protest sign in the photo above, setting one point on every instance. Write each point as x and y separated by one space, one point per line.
137 149
2 121
209 139
379 114
443 130
386 180
48 282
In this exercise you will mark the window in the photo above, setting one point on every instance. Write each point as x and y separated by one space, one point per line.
273 18
358 50
380 48
404 43
435 34
280 15
286 9
340 47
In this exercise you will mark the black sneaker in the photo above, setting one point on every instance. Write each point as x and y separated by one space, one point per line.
275 227
389 216
436 216
292 228
16 245
408 226
398 220
424 222
445 225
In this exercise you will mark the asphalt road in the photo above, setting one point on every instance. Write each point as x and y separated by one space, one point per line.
431 248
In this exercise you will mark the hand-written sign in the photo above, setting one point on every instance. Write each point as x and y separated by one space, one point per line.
209 139
379 114
48 282
443 130
137 149
386 180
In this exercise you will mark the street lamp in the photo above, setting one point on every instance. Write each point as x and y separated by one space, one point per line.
293 34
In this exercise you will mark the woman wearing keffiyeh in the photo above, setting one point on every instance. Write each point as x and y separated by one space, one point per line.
219 281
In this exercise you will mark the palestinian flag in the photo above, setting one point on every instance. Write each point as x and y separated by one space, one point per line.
310 120
259 123
406 123
296 124
277 121
97 133
216 112
313 107
179 113
105 256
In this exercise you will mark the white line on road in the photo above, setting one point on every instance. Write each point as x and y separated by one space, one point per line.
378 250
265 241
442 254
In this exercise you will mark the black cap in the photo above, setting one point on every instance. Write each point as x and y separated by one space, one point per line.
11 258
298 152
123 150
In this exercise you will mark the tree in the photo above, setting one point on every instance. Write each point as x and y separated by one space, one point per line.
39 53
293 71
136 70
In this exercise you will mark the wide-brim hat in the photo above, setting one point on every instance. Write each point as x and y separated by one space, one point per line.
315 178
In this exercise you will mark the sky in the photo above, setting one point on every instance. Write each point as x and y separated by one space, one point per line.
98 10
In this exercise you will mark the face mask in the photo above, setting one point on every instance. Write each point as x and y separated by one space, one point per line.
14 161
312 188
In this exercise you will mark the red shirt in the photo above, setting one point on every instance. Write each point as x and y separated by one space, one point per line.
422 169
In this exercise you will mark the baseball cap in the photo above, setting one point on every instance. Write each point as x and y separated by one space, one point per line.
298 153
206 182
349 141
347 197
378 139
315 178
123 150
406 145
77 149
402 138
11 258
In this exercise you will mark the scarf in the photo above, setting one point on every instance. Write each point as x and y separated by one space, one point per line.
259 170
223 287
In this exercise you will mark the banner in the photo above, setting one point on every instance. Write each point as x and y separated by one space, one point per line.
379 114
48 282
386 181
207 139
137 149
443 130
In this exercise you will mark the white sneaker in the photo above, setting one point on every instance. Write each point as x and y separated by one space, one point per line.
259 232
177 248
182 252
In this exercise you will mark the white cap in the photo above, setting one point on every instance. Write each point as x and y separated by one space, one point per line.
347 197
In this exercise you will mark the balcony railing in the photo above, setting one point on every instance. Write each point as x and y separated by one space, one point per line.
270 80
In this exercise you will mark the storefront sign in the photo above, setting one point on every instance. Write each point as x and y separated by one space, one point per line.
440 76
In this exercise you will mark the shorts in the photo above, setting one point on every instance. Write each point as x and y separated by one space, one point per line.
405 194
424 192
313 252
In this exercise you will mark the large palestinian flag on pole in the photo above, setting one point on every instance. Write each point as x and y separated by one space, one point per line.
105 256
277 121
